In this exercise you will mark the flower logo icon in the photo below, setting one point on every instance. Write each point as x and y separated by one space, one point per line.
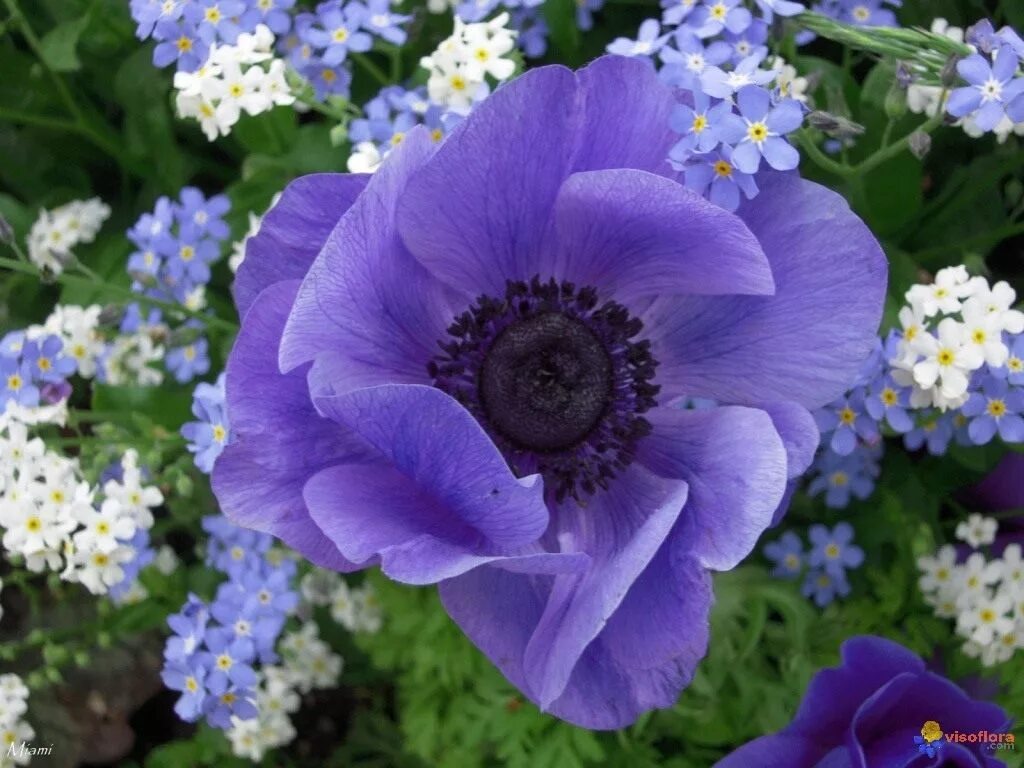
929 742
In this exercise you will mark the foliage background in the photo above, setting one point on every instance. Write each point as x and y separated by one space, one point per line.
83 112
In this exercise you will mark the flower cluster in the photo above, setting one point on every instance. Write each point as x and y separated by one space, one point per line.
985 595
52 518
56 232
34 370
526 19
356 609
955 371
323 40
208 436
826 560
244 77
187 30
387 118
175 246
954 343
459 68
14 729
223 656
735 112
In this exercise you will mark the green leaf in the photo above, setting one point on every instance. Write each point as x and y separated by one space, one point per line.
166 405
59 45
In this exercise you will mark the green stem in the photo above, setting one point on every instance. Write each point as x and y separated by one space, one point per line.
80 123
122 293
993 236
928 50
365 62
884 153
823 161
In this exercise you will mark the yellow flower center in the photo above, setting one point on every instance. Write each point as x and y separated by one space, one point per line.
103 527
946 356
213 14
700 122
718 11
889 396
832 551
458 83
847 416
14 382
723 169
44 364
34 524
996 408
757 132
187 253
1015 364
224 662
340 35
397 139
987 615
329 76
219 433
840 479
184 44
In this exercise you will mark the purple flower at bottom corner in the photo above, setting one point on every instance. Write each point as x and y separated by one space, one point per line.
387 418
871 708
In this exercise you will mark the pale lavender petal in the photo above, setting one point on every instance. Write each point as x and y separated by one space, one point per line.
429 438
621 529
792 346
632 233
365 298
278 440
734 463
293 231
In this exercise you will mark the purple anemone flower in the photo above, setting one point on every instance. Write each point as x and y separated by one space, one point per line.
868 711
465 368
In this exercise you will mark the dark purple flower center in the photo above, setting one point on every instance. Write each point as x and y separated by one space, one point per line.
557 379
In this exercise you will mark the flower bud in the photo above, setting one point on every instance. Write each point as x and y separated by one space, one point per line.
949 76
920 144
896 101
834 125
6 231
